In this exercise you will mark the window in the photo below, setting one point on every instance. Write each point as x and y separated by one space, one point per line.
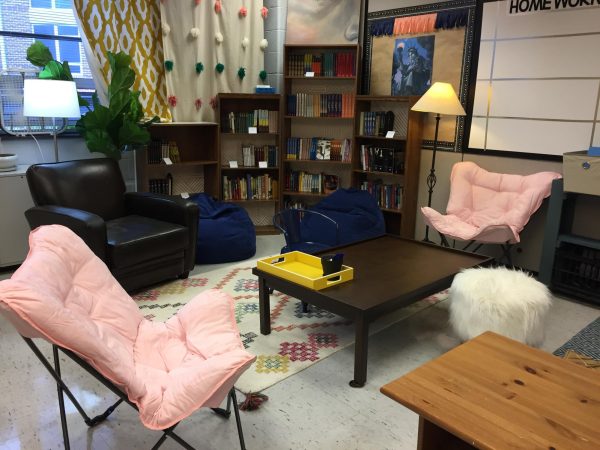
51 22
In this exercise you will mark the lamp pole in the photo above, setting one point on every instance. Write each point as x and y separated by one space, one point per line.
431 178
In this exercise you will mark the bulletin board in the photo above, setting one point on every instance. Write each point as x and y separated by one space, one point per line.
537 89
448 45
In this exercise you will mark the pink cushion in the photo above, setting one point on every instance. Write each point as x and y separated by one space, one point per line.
487 206
64 293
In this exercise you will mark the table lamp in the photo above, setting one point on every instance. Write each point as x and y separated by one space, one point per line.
440 98
50 98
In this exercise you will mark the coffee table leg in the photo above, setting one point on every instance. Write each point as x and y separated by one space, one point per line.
361 347
264 306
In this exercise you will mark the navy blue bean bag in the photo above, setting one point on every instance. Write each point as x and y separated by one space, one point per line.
225 231
356 213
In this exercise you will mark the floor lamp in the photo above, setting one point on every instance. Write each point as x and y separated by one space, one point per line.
440 98
50 98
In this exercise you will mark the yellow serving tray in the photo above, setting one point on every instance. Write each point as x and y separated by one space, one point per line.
303 269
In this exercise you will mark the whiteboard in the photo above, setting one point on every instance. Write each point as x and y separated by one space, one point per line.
538 81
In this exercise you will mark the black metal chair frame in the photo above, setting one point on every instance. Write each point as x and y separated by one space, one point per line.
506 248
63 389
278 223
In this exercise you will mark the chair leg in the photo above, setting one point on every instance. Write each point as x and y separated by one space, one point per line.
61 400
238 421
443 240
184 275
506 248
304 307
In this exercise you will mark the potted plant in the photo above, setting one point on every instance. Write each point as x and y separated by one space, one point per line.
106 129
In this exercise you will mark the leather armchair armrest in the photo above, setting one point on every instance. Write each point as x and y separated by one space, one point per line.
168 209
89 227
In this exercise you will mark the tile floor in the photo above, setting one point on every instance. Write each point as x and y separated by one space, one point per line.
314 409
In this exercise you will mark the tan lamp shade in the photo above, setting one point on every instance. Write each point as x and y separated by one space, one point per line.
440 98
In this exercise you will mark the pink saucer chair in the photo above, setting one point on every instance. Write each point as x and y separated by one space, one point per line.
65 294
486 207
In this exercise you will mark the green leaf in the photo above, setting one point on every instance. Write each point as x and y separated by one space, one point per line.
97 119
131 133
53 71
67 71
118 60
83 101
38 54
100 141
122 79
119 103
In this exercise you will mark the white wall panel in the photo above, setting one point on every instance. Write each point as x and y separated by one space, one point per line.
480 103
546 23
488 24
574 56
484 65
544 99
537 136
477 136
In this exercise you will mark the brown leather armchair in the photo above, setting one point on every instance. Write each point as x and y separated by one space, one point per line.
143 238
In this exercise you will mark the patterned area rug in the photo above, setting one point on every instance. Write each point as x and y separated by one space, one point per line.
297 339
584 347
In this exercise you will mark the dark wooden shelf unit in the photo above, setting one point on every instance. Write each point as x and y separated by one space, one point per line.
407 139
197 170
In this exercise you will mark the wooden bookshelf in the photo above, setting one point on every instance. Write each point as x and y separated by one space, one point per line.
320 85
238 116
196 167
398 179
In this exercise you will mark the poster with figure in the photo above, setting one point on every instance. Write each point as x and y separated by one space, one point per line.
412 65
322 21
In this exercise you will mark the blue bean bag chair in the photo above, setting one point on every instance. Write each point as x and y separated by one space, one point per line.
225 231
356 213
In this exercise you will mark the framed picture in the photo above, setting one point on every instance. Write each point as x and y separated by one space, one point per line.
408 49
412 65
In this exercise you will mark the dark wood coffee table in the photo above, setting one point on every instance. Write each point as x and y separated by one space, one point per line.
389 273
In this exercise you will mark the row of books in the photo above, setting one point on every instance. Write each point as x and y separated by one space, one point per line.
295 204
316 148
252 154
381 159
262 187
375 123
316 183
321 105
328 64
161 185
264 120
157 150
387 195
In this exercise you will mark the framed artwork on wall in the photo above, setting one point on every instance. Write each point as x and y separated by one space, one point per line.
322 22
408 49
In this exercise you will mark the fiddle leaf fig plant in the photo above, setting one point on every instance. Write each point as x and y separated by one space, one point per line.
109 129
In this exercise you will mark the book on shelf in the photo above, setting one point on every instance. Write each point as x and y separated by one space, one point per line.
318 148
306 182
264 120
388 196
157 150
376 123
252 154
304 104
381 159
161 185
260 187
325 64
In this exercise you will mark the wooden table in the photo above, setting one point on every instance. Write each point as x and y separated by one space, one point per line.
496 393
389 273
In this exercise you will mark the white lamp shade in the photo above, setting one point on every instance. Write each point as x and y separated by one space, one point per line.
50 98
440 98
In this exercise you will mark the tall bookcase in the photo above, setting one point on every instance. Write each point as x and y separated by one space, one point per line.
181 157
320 84
387 155
250 149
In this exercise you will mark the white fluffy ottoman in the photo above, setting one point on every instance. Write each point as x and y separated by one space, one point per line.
508 302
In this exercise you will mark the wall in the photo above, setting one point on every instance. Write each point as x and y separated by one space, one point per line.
275 35
529 250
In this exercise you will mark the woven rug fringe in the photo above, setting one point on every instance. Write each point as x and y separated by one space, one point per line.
253 401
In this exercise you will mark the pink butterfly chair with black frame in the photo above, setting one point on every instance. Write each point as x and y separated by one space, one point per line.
489 208
66 295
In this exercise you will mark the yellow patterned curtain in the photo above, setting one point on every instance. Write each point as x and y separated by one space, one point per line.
132 26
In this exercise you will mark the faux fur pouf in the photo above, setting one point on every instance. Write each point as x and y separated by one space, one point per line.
505 301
